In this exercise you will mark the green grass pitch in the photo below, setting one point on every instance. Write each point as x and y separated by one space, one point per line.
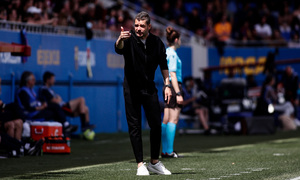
268 157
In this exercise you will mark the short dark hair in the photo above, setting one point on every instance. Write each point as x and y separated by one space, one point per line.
47 75
187 80
143 16
24 78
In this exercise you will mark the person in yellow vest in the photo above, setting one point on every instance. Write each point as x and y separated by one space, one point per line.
223 29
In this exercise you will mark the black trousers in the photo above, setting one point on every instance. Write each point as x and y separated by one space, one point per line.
53 111
133 103
11 112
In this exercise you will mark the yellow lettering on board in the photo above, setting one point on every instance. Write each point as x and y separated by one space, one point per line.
238 60
225 61
260 68
250 69
48 57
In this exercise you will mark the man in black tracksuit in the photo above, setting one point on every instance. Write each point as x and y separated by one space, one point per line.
143 52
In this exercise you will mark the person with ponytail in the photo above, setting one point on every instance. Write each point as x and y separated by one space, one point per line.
172 110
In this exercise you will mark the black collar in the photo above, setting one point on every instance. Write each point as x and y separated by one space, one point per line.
137 38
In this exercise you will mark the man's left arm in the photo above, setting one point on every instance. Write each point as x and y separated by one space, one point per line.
163 64
295 87
168 93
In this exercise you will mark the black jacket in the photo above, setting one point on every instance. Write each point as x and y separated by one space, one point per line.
141 63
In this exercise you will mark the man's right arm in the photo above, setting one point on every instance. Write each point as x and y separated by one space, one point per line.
120 41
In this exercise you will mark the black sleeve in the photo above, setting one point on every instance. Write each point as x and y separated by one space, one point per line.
295 87
45 95
25 100
163 64
117 50
125 48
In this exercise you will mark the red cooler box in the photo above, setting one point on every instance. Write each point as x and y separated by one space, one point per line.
39 130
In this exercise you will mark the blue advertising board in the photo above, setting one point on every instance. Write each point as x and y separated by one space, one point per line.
241 56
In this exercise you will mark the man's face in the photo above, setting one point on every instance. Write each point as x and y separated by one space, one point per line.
289 71
141 28
31 81
51 81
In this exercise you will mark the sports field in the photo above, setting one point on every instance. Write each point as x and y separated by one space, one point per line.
270 157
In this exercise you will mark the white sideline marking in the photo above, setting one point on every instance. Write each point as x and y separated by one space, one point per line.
278 154
187 169
251 145
245 172
285 140
297 178
125 169
253 170
233 147
236 174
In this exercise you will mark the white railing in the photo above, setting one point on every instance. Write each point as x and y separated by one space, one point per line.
60 30
186 36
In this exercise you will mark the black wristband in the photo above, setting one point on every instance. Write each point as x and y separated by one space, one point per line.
168 85
178 94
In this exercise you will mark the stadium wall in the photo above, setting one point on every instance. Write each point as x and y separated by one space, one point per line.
66 57
235 56
200 59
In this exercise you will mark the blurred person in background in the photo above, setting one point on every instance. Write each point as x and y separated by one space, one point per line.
263 30
267 96
11 127
290 82
208 31
34 109
222 33
13 16
3 14
172 110
194 21
192 103
223 29
74 107
11 119
295 41
269 101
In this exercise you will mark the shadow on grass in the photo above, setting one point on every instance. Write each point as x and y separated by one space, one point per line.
183 173
180 173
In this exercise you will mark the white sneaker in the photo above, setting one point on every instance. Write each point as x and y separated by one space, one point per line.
297 122
158 168
142 171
